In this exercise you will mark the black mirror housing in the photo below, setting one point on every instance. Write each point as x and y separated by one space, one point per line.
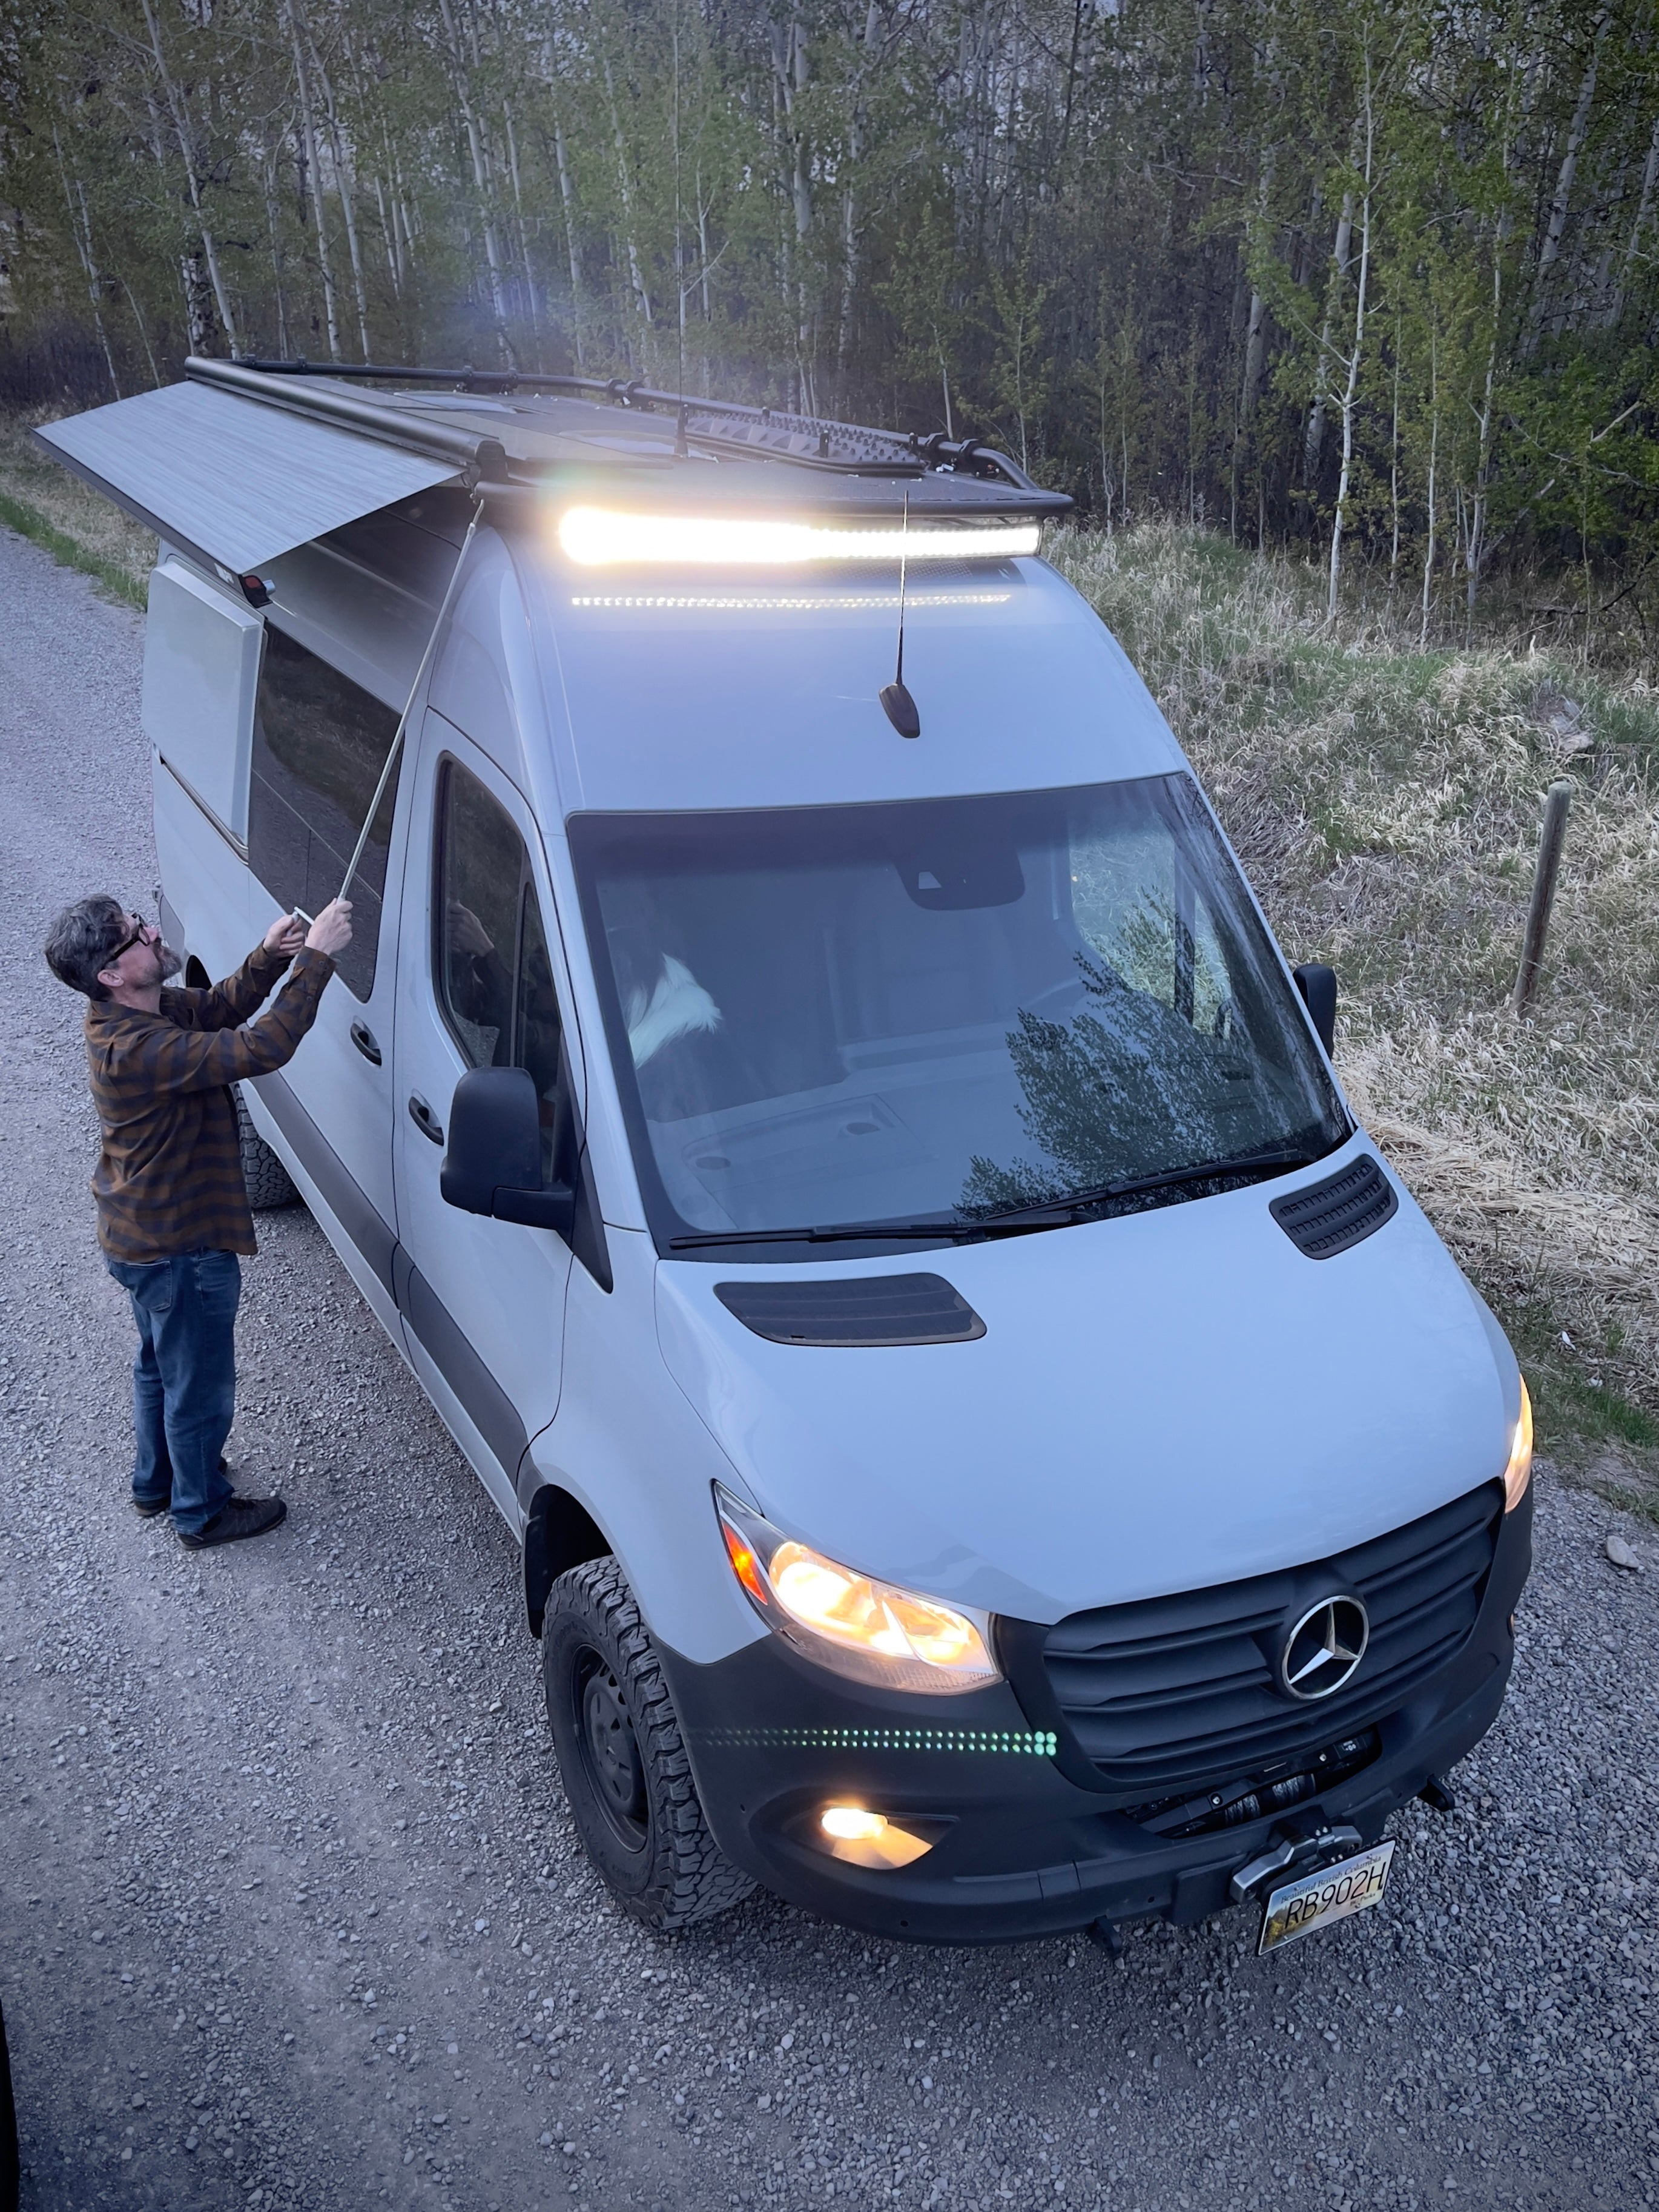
493 1165
1317 984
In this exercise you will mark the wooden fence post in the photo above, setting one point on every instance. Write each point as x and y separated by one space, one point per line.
1556 806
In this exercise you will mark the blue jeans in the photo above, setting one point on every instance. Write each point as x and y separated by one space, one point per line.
183 1380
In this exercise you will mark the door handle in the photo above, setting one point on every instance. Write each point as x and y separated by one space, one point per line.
424 1119
363 1037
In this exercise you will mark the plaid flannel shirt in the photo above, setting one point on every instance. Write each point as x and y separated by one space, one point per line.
169 1178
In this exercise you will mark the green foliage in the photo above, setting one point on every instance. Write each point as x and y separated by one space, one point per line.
1575 1382
1124 243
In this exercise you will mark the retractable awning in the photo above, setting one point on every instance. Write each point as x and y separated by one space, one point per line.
231 480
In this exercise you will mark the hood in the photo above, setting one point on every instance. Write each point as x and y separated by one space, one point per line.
1158 1403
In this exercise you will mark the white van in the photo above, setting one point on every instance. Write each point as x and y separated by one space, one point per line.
996 1452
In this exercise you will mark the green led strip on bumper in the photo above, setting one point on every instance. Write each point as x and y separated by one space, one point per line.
1040 1743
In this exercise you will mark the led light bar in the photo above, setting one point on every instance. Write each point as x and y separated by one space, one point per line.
796 602
596 537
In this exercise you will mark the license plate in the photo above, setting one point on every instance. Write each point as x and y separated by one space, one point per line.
1335 1892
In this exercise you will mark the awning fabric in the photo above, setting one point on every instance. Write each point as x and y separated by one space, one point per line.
229 479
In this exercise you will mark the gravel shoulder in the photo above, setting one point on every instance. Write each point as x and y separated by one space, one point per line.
293 1916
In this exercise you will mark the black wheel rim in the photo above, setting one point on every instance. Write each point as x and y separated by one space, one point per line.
611 1762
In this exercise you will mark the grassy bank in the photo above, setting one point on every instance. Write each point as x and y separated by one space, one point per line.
44 502
1386 801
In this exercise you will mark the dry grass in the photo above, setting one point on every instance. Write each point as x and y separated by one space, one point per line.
1387 803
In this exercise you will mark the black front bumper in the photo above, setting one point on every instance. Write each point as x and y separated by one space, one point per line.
1024 1850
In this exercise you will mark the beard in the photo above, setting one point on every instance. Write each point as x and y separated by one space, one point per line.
168 962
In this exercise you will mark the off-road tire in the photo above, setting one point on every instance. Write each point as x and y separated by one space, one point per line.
658 1857
268 1182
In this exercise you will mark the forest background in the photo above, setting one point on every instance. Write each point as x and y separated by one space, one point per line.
1336 319
1376 278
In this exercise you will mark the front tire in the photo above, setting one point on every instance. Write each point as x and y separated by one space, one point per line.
621 1758
268 1182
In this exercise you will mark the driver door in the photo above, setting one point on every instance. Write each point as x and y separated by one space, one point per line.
482 1301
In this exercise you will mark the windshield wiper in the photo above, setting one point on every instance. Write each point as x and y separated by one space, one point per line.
1063 1210
863 1232
1050 1213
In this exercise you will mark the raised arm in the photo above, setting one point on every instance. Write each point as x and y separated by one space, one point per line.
169 1058
236 999
227 1004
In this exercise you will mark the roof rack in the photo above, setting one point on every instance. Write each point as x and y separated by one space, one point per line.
720 426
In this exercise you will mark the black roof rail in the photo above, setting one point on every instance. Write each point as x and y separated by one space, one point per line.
477 459
725 425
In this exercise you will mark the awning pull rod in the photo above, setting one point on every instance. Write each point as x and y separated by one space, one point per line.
408 703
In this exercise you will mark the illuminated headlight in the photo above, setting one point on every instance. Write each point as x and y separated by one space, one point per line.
1518 1473
596 538
869 1631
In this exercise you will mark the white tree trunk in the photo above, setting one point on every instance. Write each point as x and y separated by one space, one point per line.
1561 198
1433 481
1644 203
74 202
314 185
183 131
1351 391
1312 443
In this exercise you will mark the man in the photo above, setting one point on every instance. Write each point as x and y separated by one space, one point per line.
173 1210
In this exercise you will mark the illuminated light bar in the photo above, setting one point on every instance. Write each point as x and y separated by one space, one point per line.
1035 1743
595 537
863 1838
820 603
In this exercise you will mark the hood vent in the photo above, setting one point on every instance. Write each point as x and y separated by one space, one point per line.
870 1311
1324 1218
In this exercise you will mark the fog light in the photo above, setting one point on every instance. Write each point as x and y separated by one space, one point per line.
863 1838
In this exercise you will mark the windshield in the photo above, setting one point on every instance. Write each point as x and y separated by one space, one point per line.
940 1010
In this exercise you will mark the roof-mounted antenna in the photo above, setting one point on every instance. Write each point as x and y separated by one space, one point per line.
897 705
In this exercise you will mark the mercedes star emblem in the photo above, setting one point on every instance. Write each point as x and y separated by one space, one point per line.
1323 1649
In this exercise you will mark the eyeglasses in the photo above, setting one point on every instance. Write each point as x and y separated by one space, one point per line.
142 933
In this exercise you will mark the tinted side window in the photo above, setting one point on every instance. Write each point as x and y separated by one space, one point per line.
494 974
319 743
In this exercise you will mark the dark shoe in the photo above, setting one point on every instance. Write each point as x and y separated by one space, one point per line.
243 1516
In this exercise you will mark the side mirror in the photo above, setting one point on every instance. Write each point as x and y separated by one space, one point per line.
1317 984
493 1165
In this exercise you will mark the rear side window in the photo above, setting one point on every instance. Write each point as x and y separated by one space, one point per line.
491 959
319 743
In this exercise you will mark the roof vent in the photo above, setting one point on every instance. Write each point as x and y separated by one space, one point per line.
1324 1218
870 1311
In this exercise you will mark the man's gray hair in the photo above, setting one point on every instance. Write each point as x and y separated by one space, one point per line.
80 940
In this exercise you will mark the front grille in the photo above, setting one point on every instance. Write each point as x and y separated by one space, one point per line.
1324 1218
1172 1689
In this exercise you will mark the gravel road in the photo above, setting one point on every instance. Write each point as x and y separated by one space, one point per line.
293 1916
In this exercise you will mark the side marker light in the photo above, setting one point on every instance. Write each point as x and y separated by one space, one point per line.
1518 1473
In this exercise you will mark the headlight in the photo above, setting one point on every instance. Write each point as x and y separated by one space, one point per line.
869 1631
1518 1473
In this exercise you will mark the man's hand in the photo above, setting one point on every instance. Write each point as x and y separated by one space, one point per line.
331 931
286 935
467 933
